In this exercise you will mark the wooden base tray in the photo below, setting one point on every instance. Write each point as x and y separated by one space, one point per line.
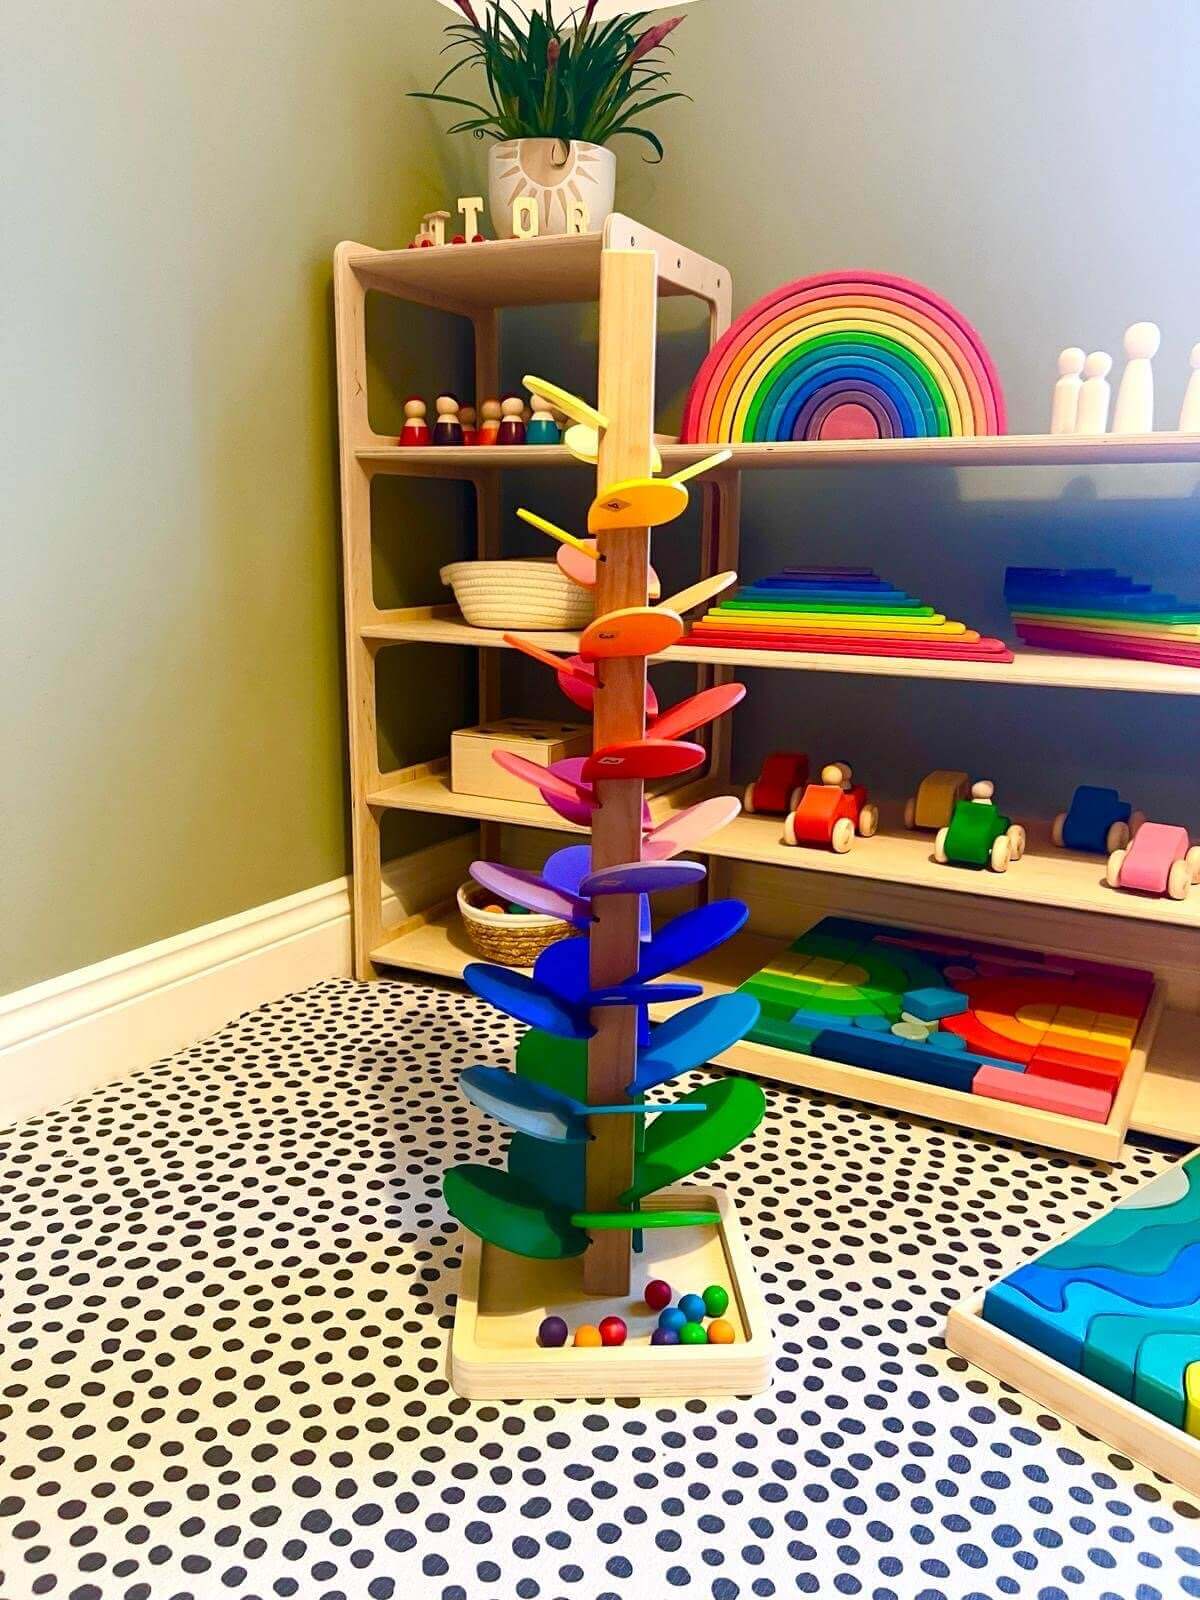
1138 1434
494 1354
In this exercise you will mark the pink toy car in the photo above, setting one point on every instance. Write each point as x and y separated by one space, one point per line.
1161 859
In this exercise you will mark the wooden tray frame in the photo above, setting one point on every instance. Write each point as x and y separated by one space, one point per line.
1117 1422
485 1369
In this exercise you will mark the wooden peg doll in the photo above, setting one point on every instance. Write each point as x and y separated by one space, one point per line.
542 428
416 429
512 426
447 429
489 422
470 432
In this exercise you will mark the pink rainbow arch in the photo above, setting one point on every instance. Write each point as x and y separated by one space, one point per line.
845 355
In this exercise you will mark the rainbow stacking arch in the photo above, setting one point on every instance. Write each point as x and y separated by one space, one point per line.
847 355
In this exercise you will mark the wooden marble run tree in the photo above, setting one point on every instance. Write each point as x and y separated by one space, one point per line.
589 1176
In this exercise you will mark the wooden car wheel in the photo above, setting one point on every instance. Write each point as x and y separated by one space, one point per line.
1112 872
910 813
1193 862
795 797
1136 818
1179 880
1016 841
842 836
748 799
939 845
789 828
1056 829
1117 837
1002 853
868 821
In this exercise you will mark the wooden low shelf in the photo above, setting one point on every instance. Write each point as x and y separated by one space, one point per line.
1031 668
1160 1089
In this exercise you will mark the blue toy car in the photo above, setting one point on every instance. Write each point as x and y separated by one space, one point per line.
1099 821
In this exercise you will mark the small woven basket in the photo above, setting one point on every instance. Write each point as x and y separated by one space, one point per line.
514 939
518 594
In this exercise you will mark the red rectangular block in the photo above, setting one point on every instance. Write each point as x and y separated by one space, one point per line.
1090 1071
1044 1094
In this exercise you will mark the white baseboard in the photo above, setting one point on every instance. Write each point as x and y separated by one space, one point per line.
60 1038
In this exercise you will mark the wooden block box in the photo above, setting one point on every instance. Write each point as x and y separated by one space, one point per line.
472 770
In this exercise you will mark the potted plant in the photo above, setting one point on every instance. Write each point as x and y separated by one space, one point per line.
556 93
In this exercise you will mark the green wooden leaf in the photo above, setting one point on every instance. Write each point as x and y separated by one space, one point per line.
671 1152
507 1213
555 1063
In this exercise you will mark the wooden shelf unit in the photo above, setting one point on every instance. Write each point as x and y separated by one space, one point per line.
1067 889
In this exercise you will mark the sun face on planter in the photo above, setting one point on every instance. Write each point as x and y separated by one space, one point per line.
555 173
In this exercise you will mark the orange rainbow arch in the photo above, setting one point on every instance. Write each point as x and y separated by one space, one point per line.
846 355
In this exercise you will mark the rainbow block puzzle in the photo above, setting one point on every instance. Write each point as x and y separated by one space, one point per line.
845 355
1119 1301
1100 612
1051 1032
839 611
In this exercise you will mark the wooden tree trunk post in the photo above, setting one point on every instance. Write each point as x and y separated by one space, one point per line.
628 291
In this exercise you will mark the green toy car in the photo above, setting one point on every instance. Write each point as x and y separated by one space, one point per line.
979 834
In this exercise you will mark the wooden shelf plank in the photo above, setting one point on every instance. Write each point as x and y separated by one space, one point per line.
1045 876
1170 1076
556 269
431 792
1005 450
1030 669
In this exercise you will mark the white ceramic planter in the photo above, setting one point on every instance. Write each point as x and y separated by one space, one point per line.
554 173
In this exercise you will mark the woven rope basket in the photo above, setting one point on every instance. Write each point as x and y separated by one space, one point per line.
514 939
518 594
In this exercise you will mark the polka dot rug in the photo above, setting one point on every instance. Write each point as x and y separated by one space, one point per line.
228 1285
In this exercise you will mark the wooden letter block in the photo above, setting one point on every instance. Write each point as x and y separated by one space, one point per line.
525 217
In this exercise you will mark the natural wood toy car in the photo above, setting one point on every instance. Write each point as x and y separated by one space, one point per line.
832 812
1098 821
779 785
933 804
979 834
1160 860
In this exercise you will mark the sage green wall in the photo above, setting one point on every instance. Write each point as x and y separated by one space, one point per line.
174 180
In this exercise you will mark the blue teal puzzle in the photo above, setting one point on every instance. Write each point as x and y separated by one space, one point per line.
1120 1301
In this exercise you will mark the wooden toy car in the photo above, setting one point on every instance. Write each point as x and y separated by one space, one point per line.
1098 821
779 785
831 812
1160 860
933 803
979 834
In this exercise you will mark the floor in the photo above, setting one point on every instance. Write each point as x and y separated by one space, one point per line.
228 1283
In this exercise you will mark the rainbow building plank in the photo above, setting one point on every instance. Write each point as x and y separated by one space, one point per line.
846 355
1100 612
840 611
1119 1301
1050 1032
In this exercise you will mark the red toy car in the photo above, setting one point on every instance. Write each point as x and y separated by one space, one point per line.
832 812
780 784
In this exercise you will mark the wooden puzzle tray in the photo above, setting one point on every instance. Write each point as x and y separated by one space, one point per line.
1129 1320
